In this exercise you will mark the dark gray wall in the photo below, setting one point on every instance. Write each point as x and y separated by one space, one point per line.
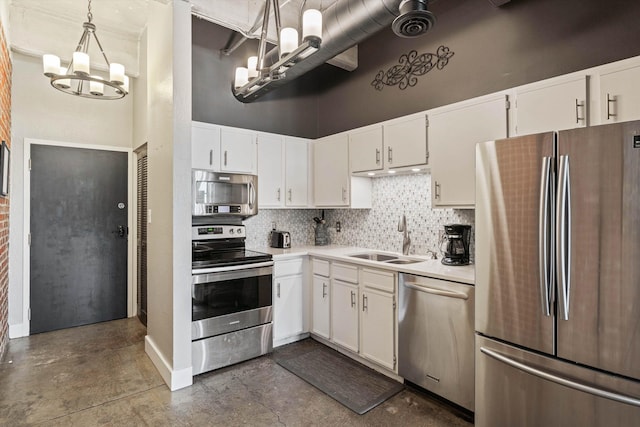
291 110
494 49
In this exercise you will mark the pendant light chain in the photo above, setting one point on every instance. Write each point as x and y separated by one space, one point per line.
89 14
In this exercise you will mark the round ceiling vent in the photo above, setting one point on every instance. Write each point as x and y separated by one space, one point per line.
414 19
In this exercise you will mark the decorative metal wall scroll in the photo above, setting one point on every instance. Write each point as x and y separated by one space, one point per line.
410 66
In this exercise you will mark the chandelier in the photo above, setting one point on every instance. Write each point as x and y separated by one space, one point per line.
76 79
257 75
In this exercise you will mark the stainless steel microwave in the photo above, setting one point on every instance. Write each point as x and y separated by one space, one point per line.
223 194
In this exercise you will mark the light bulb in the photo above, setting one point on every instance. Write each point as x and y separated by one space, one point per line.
50 64
242 77
288 41
81 63
312 25
63 83
96 88
252 66
116 73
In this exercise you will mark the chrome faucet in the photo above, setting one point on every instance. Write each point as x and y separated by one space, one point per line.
406 240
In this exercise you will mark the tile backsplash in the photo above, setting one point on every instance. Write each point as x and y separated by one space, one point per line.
375 228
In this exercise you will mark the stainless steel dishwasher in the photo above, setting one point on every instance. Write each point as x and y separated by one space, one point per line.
435 337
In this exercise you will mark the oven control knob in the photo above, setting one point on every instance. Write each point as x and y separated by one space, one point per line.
231 231
239 230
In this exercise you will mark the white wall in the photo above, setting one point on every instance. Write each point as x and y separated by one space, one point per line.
168 341
41 112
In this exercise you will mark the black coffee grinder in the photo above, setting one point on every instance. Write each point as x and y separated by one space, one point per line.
455 244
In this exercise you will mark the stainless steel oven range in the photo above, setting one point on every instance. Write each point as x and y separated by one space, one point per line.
231 290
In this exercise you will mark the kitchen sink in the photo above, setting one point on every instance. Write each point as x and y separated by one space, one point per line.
403 261
386 258
374 256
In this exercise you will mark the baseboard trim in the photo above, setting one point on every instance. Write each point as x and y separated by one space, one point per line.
18 331
175 380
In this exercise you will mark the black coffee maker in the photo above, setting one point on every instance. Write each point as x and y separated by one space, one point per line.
455 244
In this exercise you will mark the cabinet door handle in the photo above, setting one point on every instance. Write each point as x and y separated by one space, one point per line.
437 195
278 194
353 299
225 157
278 290
578 105
290 196
324 290
344 194
610 100
210 157
377 156
364 302
390 155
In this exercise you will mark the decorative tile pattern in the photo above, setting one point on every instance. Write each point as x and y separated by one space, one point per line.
375 228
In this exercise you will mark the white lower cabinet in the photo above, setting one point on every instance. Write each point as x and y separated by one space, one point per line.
320 299
321 306
377 327
361 317
344 314
378 321
288 301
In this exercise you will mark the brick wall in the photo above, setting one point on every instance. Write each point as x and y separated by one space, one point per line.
5 135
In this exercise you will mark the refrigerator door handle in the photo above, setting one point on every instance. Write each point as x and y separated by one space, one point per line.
545 237
563 236
586 388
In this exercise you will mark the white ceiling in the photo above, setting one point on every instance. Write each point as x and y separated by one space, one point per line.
55 26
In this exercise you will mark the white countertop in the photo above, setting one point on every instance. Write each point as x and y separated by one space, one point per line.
429 267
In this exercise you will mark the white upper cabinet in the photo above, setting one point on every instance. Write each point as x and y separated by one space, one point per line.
331 169
454 132
205 146
270 170
333 185
555 104
238 151
365 149
405 141
296 171
620 95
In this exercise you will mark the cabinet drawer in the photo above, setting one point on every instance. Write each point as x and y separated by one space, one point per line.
346 273
376 279
321 267
288 268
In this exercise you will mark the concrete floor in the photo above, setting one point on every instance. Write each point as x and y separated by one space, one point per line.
99 375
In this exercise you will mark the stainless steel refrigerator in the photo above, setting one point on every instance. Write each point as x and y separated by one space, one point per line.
557 255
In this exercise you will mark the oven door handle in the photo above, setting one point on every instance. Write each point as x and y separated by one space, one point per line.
232 268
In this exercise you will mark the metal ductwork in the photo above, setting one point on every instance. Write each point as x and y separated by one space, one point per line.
414 19
345 24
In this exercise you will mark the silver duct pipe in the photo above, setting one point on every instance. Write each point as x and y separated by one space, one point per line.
345 24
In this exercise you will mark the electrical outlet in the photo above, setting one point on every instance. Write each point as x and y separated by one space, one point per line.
273 225
338 227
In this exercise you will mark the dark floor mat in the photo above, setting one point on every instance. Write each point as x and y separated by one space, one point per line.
355 386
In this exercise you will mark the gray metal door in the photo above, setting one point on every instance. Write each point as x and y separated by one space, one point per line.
509 301
78 237
603 281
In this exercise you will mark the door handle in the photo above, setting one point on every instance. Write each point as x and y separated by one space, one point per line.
353 299
545 236
578 105
563 237
567 382
290 194
390 154
364 302
610 100
225 157
377 156
324 290
278 290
